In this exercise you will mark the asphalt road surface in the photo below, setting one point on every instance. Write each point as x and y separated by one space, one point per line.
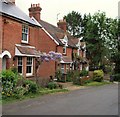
102 100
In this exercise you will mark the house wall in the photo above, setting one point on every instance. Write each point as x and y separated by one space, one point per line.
68 51
1 41
12 34
46 44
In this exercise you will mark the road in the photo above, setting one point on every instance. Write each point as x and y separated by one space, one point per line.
101 100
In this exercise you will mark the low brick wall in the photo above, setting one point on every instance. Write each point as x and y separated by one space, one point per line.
91 74
84 78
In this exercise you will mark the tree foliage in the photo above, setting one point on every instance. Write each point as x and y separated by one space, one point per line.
74 20
98 31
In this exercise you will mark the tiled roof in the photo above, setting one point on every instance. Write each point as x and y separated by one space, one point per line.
10 9
28 51
66 59
75 41
56 33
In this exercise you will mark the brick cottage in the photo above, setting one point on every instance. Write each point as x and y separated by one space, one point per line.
23 37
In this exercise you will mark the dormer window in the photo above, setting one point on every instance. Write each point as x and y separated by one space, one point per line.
25 33
64 50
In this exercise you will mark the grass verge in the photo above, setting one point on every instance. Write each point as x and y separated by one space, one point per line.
93 83
41 92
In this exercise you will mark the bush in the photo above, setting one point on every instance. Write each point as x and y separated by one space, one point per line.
76 78
58 75
116 77
20 91
9 80
32 86
52 85
98 75
84 72
77 81
69 76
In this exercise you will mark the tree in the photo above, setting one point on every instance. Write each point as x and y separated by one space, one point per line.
98 31
116 54
95 34
74 20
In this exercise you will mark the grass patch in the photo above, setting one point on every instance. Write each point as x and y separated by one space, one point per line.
94 83
31 95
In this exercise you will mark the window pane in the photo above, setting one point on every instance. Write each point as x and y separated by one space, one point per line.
19 64
25 33
19 69
29 65
29 69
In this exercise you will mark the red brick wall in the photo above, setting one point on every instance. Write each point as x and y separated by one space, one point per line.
12 34
68 51
46 44
0 42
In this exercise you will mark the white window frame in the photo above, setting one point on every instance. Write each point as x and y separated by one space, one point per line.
25 31
18 65
67 67
62 68
29 74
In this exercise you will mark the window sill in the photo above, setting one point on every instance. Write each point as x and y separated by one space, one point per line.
25 42
29 76
64 54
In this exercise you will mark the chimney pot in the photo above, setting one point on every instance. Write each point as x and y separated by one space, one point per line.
34 11
62 24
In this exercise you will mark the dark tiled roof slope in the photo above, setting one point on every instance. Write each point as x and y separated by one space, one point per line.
56 33
9 9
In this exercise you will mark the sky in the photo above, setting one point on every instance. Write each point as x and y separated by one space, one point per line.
54 10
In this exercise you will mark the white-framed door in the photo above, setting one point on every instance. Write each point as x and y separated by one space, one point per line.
4 63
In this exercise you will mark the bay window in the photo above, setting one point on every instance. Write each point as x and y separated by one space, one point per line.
29 66
20 65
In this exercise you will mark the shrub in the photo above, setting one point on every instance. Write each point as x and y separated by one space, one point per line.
20 91
43 82
32 86
77 80
76 77
84 72
69 76
116 77
58 75
52 85
9 80
98 75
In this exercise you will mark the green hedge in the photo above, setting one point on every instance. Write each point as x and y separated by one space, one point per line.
116 77
98 75
52 85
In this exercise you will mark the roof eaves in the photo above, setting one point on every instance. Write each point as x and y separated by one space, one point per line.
17 19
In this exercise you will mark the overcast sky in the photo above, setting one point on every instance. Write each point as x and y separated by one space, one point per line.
50 8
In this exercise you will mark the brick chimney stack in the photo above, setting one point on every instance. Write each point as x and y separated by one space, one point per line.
62 24
35 11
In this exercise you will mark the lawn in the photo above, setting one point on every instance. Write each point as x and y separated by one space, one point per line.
94 83
31 95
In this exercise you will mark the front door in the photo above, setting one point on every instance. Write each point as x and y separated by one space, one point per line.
4 63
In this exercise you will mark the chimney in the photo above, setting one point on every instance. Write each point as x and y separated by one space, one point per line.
13 1
62 24
35 11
